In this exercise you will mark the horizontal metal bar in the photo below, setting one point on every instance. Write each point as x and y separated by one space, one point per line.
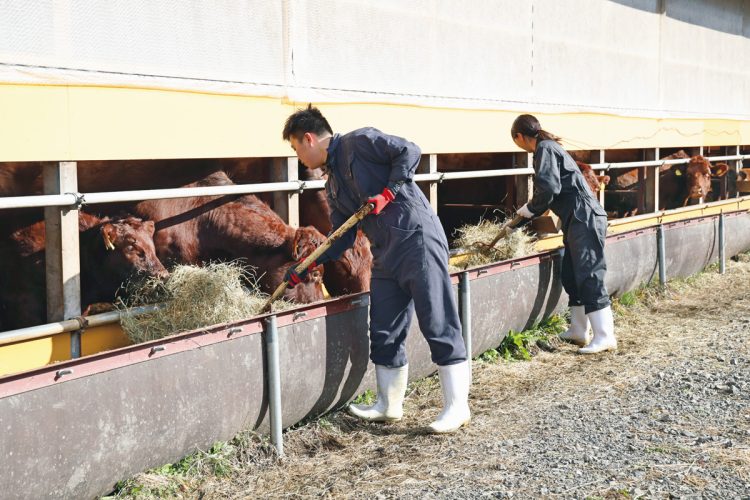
70 199
69 325
472 174
162 194
46 200
656 163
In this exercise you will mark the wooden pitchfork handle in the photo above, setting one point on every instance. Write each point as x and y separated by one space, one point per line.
504 229
346 226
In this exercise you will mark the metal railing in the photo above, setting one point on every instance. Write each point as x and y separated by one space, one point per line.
658 163
271 335
77 199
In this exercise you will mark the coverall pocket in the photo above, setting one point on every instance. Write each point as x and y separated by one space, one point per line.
585 210
404 246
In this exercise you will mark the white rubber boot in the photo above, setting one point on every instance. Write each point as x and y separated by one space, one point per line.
389 405
578 330
603 326
455 381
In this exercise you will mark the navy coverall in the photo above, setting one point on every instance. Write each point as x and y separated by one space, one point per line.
409 248
560 186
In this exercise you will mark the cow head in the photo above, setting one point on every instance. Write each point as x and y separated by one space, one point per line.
595 182
128 251
697 178
306 240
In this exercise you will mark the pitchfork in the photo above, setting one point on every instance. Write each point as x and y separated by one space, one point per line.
348 224
505 230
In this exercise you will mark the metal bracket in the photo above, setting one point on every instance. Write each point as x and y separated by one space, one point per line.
156 349
80 199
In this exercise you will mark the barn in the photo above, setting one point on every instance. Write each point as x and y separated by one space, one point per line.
109 106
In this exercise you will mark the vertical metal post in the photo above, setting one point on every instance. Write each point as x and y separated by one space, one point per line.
652 181
274 383
428 165
737 168
286 203
524 184
63 275
662 255
464 309
722 245
599 157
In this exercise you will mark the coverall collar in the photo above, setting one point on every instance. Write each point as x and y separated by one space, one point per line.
331 151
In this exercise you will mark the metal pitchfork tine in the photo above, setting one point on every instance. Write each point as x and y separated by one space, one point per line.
505 229
348 224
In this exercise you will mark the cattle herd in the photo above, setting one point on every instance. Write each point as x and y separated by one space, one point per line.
130 241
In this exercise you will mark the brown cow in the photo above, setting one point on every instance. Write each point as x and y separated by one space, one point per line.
24 179
351 273
193 230
625 185
112 252
695 183
595 182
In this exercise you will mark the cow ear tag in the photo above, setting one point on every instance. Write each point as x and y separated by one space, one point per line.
678 172
602 186
107 242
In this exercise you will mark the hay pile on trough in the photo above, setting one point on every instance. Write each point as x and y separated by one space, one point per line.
194 297
470 237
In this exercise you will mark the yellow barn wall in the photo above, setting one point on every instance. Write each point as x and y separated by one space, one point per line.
44 122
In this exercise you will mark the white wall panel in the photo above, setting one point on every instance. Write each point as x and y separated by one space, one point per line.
176 43
667 58
593 54
446 50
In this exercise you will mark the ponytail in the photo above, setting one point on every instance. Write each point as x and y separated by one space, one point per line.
529 126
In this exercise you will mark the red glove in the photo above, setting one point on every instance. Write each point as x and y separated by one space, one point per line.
293 278
381 200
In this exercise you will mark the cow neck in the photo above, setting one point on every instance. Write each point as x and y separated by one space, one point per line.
92 251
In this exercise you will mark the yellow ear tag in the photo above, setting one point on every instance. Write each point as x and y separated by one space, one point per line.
602 186
678 172
108 243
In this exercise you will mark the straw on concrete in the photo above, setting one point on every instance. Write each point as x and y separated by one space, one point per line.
194 297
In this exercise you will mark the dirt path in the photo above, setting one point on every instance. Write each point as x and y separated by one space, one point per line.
667 416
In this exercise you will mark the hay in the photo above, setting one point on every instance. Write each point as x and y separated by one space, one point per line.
194 297
470 237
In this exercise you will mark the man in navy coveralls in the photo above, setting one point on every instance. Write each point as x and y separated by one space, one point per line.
410 259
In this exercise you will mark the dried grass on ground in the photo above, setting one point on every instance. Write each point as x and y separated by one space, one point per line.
472 236
338 456
194 297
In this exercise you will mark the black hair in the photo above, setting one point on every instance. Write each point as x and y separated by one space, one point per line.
529 126
306 120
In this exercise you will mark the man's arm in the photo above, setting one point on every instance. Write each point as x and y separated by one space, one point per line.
402 155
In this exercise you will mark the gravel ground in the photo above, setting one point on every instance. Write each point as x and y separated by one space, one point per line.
667 416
